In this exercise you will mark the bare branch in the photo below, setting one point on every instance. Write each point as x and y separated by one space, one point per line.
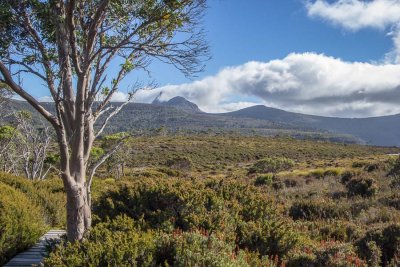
22 93
103 159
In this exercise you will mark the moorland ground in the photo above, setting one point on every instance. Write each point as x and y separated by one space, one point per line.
229 200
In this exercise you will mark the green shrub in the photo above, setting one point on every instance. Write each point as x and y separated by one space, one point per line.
272 165
346 177
387 239
21 222
47 194
180 163
229 208
199 249
371 167
116 243
340 230
360 186
392 201
314 209
358 164
122 242
265 179
332 254
267 237
292 182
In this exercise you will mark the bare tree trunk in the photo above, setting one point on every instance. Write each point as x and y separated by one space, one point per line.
79 216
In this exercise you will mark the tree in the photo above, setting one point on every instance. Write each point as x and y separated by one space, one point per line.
23 147
5 94
33 143
69 45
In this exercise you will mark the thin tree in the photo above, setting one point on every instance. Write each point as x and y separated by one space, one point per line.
5 94
71 45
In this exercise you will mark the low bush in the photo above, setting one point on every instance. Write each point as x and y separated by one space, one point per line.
346 176
116 243
272 165
314 209
21 222
292 182
122 243
340 230
387 239
265 179
180 163
332 254
371 167
211 205
362 186
47 194
392 201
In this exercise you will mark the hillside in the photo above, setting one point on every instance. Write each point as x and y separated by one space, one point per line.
181 115
384 131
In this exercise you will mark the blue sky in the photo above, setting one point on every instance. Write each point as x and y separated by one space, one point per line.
239 31
331 58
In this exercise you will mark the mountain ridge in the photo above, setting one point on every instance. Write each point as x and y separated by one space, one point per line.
179 114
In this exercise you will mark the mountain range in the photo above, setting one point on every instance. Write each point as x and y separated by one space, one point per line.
179 114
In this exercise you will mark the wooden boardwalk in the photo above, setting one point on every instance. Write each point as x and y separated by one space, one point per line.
34 255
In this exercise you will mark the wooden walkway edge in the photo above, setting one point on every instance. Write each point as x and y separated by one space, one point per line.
35 254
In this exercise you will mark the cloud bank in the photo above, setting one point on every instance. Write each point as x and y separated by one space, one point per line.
355 15
307 83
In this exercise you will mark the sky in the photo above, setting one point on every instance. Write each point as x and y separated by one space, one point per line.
332 58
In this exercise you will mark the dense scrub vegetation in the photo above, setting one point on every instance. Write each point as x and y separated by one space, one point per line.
198 202
21 222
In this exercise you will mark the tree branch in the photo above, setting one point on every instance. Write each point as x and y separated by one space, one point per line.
22 93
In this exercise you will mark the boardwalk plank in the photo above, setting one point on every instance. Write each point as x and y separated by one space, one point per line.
35 254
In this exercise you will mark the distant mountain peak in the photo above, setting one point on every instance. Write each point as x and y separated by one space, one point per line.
178 102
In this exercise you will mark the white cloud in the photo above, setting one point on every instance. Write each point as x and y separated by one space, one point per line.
119 97
46 99
355 15
308 83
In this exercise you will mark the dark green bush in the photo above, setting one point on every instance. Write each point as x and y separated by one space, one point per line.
272 165
116 243
315 209
392 201
47 194
265 179
122 243
360 186
180 163
340 230
229 208
21 222
371 167
266 237
292 182
387 239
346 177
331 254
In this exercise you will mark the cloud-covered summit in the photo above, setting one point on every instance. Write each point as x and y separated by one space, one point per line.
308 83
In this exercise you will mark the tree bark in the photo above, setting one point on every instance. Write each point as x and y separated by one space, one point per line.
79 216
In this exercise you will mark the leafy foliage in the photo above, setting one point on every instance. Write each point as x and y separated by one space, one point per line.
21 222
359 186
272 165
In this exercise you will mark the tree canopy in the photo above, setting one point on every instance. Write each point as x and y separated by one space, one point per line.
70 46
